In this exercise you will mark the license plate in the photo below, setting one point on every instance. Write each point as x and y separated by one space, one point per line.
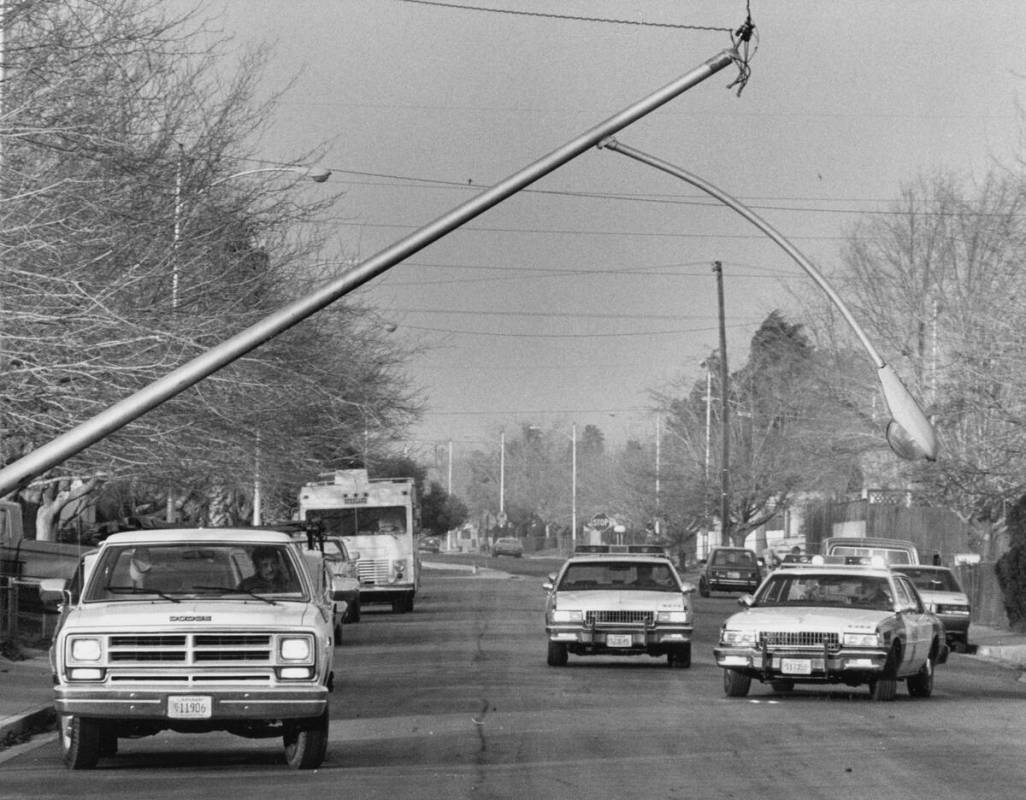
734 575
796 666
618 640
189 707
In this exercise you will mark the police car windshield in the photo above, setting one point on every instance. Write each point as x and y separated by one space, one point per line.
824 589
619 575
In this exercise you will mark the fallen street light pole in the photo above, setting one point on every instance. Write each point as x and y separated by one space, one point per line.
909 432
25 469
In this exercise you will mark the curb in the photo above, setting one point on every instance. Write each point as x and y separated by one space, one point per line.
18 726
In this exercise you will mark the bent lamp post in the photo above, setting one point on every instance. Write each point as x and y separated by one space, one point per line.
25 469
909 433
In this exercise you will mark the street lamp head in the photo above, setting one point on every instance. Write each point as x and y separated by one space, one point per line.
319 175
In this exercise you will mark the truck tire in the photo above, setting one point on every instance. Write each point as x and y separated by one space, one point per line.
306 745
80 741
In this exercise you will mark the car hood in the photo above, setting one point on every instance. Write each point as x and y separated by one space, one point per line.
807 619
144 616
609 600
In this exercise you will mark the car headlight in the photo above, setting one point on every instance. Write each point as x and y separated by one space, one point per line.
671 616
567 615
295 648
737 638
86 650
861 640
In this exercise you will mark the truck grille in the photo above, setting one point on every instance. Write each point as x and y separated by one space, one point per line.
373 570
814 639
206 648
618 617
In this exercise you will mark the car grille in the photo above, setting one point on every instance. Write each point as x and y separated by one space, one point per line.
619 617
811 639
220 648
373 570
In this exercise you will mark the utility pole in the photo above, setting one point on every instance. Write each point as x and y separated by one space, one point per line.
724 377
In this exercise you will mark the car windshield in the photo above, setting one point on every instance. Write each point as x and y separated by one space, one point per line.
171 571
933 580
733 558
819 589
628 575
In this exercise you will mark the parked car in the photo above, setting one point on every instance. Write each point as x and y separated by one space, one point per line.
944 596
832 623
730 569
508 546
429 544
618 604
893 551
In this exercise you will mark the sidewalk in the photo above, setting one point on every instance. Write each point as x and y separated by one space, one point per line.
26 693
26 696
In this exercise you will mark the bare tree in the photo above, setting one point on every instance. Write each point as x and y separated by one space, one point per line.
134 234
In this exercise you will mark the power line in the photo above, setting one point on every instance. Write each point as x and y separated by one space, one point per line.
570 17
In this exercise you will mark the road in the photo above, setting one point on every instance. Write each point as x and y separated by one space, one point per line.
455 701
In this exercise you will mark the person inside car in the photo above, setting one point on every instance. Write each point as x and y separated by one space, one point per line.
268 575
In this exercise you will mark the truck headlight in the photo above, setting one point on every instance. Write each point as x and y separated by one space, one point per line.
738 638
671 616
85 649
295 648
861 640
568 615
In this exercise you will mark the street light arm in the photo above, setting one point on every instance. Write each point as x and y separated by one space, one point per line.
315 175
910 433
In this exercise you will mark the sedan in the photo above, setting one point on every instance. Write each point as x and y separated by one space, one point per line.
826 623
508 546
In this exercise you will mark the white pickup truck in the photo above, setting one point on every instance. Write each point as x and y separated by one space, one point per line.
193 630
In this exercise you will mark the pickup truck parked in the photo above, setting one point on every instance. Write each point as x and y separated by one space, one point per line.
193 630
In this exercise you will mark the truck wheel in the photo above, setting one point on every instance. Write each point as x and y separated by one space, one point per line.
338 634
80 742
703 587
736 684
352 612
557 654
307 743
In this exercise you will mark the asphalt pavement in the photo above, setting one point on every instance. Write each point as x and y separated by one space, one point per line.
26 690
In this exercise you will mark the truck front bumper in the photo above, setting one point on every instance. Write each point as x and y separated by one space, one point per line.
224 702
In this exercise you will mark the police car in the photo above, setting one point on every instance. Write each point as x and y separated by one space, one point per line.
618 601
832 620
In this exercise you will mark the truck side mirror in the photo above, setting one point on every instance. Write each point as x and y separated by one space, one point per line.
53 592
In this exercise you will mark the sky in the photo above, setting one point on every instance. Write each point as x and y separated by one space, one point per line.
575 300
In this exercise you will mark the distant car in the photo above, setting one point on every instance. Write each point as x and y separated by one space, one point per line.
893 551
429 544
618 604
507 546
830 623
730 569
943 595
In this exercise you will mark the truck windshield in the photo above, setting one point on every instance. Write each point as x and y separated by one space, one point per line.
169 571
367 521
